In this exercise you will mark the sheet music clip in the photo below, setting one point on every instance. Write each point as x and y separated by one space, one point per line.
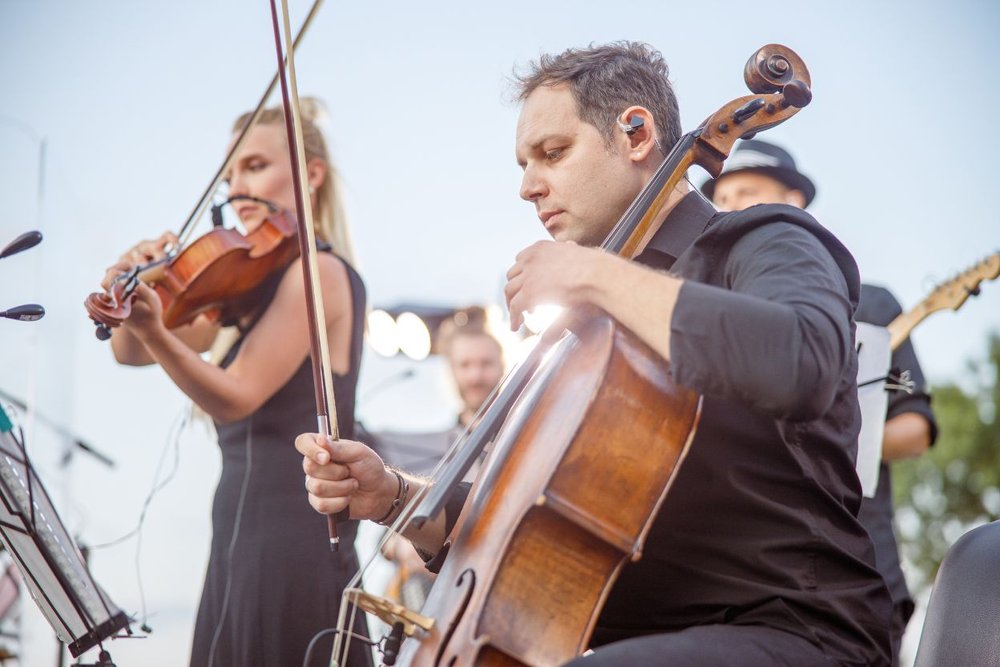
900 381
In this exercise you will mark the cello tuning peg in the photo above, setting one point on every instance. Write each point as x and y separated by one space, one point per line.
796 94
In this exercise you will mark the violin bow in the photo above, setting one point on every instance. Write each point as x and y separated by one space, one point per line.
206 196
326 409
136 274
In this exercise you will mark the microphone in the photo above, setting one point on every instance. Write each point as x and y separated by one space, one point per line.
392 644
28 312
217 208
22 242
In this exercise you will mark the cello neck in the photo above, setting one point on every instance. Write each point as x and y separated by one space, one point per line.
644 215
474 440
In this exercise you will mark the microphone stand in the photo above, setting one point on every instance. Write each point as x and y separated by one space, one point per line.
63 432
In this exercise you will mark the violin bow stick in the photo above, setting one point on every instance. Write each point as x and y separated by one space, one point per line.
213 185
326 411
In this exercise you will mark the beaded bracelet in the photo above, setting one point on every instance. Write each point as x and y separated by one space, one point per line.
400 499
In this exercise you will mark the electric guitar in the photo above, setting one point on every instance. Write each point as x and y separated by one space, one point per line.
949 294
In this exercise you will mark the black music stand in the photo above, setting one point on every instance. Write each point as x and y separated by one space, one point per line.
51 565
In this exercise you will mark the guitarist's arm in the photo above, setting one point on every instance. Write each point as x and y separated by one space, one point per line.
906 436
910 427
909 432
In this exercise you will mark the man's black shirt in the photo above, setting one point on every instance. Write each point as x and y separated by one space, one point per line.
760 525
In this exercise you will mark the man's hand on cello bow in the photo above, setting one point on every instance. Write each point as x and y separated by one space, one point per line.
346 473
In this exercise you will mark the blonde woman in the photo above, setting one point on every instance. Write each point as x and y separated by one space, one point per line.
272 583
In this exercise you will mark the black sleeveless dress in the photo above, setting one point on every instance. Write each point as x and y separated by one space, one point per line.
272 581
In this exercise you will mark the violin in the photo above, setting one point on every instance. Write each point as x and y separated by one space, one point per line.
218 274
538 547
205 277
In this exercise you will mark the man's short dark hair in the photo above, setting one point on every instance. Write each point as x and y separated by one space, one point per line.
605 80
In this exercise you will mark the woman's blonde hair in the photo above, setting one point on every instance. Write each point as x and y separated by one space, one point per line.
329 216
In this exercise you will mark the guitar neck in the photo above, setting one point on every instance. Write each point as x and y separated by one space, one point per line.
949 295
901 327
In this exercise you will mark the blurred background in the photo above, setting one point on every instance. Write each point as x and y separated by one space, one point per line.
114 115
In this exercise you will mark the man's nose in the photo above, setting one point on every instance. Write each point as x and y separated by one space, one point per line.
532 186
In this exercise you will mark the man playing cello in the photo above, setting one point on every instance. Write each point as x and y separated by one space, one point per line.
756 557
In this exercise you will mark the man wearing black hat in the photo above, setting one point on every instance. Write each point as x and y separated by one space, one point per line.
759 173
762 173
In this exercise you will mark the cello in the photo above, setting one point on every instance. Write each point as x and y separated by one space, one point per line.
538 547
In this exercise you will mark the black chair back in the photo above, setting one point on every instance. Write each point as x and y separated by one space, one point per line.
962 628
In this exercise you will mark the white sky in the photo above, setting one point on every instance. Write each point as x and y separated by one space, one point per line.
135 99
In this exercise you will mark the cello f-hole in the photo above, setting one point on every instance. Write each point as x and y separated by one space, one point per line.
467 579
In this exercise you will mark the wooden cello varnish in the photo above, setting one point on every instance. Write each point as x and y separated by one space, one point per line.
589 449
575 480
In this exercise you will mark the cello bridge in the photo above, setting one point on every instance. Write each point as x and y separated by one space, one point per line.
388 611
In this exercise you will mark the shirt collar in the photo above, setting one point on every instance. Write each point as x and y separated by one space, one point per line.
688 219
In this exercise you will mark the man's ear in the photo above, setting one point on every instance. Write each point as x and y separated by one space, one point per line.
796 198
638 132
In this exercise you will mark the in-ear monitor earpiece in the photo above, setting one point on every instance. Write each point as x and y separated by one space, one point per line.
632 126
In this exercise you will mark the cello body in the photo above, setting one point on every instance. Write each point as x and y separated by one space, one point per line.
567 496
588 450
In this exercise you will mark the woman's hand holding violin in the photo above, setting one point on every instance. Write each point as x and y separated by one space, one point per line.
146 317
141 253
147 310
145 252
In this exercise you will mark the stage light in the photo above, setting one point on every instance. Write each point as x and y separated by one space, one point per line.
539 319
414 336
382 333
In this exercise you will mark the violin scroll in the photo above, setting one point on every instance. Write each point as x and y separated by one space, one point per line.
105 313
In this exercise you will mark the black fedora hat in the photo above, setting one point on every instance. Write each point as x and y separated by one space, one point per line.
764 158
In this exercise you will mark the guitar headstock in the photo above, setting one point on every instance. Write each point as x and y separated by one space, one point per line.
953 293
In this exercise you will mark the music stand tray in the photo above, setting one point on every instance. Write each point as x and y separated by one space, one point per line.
52 567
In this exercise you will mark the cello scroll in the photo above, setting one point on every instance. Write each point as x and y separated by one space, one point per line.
782 86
